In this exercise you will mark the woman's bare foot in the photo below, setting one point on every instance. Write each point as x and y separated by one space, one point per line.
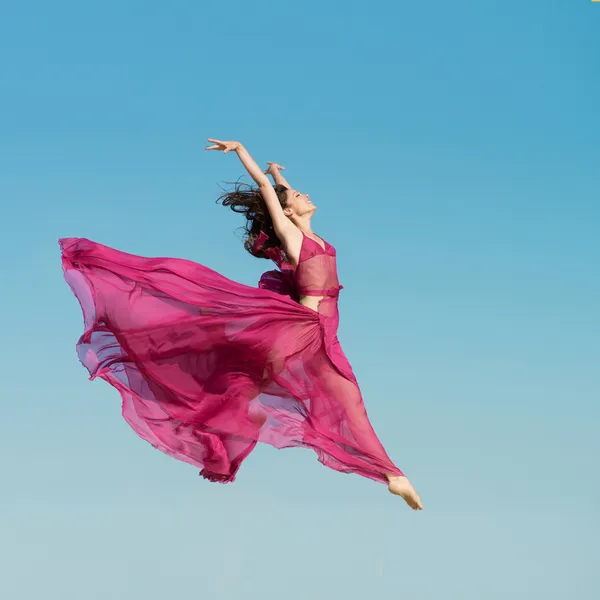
400 486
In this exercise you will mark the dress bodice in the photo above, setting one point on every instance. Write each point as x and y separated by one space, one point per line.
315 274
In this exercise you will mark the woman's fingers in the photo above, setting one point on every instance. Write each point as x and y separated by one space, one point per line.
224 146
218 145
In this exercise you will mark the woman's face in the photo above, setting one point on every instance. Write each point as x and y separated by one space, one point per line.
298 204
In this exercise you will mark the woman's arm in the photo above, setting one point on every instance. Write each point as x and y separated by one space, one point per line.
275 171
286 231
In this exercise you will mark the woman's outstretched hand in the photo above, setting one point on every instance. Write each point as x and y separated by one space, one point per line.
273 168
253 169
224 147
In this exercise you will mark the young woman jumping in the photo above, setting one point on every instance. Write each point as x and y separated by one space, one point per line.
207 367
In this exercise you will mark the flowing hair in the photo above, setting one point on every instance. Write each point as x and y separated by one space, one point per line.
248 200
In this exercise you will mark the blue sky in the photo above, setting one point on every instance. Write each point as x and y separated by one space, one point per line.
452 149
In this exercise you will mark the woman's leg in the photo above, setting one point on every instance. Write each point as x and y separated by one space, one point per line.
340 408
236 415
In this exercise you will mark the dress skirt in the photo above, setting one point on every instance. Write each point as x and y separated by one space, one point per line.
207 367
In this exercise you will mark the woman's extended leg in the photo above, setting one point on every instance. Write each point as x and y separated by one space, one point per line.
340 408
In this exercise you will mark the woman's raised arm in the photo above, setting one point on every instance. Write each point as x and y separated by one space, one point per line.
286 231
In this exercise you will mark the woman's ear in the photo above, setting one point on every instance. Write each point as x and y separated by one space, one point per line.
288 212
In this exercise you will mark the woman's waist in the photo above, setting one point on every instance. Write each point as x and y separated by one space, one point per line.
327 309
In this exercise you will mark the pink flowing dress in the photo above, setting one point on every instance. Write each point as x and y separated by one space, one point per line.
207 367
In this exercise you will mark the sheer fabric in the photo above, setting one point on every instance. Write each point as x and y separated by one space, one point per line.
207 367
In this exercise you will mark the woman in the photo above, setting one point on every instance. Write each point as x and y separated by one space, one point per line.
207 367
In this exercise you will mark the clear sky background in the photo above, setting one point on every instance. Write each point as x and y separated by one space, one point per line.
453 150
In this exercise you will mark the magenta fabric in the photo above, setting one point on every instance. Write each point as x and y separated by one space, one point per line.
207 367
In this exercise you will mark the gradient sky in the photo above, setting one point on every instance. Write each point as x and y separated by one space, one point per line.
453 150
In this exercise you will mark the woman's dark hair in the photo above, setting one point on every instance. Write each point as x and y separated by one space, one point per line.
248 200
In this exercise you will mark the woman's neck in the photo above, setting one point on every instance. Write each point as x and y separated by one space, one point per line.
303 224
